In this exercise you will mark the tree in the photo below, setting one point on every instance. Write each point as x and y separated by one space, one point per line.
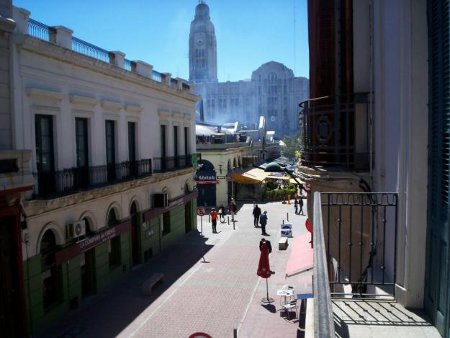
291 147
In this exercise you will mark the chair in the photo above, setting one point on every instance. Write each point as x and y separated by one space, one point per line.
289 306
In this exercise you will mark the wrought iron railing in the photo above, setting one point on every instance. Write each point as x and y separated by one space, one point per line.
355 237
336 131
128 65
157 76
40 31
165 164
69 181
361 233
323 312
90 50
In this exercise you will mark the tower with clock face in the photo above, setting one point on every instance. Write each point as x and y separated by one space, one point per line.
202 47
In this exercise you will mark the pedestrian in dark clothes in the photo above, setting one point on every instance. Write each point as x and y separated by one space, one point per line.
263 222
300 203
296 206
256 214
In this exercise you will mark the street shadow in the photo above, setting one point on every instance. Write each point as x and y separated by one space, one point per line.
126 297
269 307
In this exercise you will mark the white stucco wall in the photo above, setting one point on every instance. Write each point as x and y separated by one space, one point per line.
56 81
401 132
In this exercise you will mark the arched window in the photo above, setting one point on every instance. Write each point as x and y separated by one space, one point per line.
50 272
114 246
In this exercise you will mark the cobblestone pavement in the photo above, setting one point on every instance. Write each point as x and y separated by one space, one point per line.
217 293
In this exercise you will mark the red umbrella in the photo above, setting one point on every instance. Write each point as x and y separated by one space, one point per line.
264 268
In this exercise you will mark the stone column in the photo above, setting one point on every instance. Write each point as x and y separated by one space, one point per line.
117 58
63 36
144 69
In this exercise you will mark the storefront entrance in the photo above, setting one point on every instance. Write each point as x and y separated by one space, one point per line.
88 273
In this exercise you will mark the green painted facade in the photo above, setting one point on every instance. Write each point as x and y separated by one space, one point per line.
150 243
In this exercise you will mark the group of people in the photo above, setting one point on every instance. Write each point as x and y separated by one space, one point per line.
298 205
259 218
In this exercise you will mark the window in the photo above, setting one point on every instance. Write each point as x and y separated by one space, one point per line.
110 150
132 148
50 273
45 153
163 148
166 223
175 141
114 245
81 140
186 141
81 130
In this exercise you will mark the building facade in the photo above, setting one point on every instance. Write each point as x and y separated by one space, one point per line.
273 91
380 124
111 145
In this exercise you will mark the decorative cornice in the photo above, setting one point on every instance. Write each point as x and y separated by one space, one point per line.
83 100
111 105
44 93
133 107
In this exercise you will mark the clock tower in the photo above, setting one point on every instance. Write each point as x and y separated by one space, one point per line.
202 47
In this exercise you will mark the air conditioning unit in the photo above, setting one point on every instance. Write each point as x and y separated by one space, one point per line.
76 229
160 200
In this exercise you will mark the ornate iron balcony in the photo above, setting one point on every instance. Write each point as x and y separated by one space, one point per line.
335 132
52 184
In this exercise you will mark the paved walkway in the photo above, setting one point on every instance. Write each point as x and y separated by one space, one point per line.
217 293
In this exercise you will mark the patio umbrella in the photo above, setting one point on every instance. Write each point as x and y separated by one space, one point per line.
264 268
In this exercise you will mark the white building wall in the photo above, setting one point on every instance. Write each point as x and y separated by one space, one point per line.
401 132
56 81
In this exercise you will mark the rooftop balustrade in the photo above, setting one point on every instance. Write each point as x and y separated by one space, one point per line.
43 32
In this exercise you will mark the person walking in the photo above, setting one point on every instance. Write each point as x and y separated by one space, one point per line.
300 203
213 215
296 206
256 214
222 213
232 208
263 222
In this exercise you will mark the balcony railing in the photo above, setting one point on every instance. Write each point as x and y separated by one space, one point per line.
68 181
336 132
43 32
355 237
165 164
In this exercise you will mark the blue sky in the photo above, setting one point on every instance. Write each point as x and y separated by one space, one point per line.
249 32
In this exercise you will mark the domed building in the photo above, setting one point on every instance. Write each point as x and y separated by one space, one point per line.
273 91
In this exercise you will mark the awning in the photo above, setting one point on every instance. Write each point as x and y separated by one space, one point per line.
252 176
301 258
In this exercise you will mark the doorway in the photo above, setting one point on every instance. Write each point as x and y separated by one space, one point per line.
11 320
88 273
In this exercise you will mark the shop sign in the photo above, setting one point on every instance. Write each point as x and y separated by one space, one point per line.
91 242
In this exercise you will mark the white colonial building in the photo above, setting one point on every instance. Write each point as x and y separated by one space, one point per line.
112 146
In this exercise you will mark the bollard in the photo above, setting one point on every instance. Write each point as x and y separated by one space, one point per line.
228 217
234 333
287 216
